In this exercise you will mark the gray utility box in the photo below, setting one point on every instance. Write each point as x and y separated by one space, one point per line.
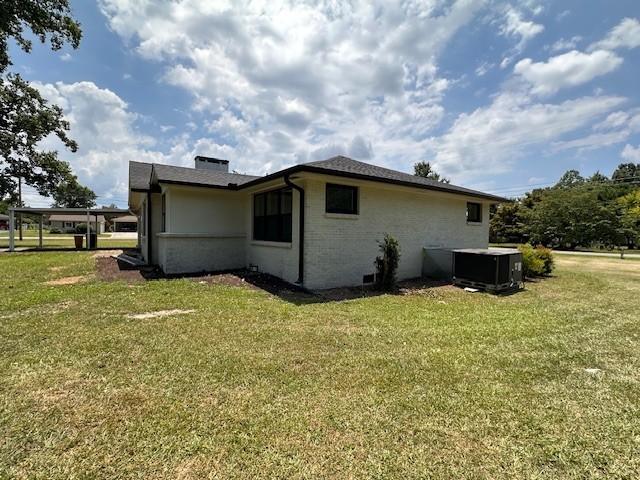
437 263
486 269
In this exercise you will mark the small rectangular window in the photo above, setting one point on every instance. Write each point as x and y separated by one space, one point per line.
474 212
341 199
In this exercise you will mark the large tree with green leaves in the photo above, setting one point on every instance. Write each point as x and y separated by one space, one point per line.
25 117
71 194
627 173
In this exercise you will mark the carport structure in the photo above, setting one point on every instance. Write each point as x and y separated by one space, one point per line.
42 212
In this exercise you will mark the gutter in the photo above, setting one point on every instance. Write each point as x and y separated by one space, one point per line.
300 190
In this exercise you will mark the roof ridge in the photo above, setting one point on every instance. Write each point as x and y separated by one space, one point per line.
203 170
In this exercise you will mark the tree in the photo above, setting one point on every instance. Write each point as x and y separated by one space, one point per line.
572 217
569 179
598 178
627 173
25 120
630 217
71 194
25 117
49 19
507 223
425 170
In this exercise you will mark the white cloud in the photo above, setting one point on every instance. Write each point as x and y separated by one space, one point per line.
631 154
300 76
484 68
515 26
613 120
565 44
566 70
107 137
490 139
615 128
593 141
624 35
65 57
279 83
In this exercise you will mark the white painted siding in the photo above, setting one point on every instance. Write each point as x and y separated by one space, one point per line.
342 248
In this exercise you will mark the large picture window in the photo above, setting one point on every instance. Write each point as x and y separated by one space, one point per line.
272 216
341 199
474 212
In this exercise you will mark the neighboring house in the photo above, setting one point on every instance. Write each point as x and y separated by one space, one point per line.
126 223
4 221
317 224
68 222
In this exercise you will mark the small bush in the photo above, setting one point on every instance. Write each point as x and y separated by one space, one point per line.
55 231
536 262
546 255
387 263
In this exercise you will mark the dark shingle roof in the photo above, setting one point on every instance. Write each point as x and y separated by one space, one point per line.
139 175
196 176
353 168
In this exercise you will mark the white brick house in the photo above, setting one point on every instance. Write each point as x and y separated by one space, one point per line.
206 219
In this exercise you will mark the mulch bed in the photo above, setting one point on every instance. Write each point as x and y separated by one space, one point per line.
111 269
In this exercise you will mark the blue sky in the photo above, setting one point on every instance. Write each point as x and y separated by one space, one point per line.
499 95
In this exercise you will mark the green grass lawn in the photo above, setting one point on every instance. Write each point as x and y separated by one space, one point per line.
437 383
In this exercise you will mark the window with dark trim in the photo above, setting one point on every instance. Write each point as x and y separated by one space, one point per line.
474 212
272 215
341 199
164 213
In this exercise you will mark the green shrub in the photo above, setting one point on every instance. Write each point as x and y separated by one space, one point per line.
536 262
546 255
387 263
55 231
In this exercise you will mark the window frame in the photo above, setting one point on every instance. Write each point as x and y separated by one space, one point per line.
356 199
283 220
479 217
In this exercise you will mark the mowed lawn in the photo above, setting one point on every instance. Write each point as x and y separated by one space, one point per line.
436 383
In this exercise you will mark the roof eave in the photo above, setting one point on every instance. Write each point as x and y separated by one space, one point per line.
359 176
